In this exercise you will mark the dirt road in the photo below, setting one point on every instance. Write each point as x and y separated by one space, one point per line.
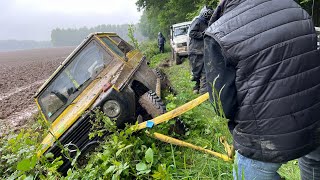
21 74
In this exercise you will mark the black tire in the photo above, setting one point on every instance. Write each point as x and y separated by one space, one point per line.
152 104
164 80
179 128
177 59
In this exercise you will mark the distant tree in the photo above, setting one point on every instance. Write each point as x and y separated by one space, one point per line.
73 37
158 16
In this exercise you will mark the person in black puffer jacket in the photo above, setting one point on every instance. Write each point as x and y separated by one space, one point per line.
263 55
196 32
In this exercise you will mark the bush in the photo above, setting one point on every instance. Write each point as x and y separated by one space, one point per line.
150 48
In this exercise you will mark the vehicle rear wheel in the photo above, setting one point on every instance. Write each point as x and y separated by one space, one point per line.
152 104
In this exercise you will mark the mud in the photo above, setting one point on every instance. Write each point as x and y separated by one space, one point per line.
21 74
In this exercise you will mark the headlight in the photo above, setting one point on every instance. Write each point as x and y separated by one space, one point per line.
111 108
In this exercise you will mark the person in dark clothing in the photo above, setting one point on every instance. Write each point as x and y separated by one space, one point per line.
196 32
263 57
161 42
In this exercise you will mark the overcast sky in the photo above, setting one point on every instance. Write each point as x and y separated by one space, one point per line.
34 19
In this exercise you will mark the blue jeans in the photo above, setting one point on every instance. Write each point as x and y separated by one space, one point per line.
250 169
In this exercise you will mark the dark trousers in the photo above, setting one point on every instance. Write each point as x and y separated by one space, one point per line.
198 71
161 48
197 64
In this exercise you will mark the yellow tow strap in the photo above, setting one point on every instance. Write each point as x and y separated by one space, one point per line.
178 142
177 112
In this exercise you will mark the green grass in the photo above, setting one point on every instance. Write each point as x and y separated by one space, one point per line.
205 129
290 170
156 60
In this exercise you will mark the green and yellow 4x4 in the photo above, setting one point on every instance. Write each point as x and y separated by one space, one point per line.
103 72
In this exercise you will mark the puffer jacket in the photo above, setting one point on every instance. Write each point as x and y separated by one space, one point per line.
272 47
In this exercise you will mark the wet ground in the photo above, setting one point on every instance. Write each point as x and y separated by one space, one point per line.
21 74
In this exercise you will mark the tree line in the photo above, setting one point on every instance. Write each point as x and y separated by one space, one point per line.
12 45
74 36
159 15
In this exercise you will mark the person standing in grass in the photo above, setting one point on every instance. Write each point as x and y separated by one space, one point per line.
161 42
263 57
196 32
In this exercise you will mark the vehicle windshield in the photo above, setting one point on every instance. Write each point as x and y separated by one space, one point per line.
182 30
76 75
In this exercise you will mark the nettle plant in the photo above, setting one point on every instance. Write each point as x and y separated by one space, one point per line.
124 154
19 159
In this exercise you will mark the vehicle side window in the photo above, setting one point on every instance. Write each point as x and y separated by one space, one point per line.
113 47
116 39
122 45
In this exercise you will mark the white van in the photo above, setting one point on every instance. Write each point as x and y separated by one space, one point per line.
178 41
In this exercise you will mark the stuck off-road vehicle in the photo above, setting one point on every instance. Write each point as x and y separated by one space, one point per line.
178 41
103 72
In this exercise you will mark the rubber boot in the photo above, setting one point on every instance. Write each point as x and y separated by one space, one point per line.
203 85
196 87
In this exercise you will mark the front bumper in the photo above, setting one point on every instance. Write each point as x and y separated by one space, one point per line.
185 53
182 51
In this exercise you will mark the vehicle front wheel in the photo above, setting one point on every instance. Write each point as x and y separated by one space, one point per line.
152 104
177 59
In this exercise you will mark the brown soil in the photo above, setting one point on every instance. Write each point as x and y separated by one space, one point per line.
21 74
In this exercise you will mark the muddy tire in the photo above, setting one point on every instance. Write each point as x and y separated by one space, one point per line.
177 59
152 104
164 80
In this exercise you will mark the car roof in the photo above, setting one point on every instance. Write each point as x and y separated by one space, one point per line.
75 51
181 24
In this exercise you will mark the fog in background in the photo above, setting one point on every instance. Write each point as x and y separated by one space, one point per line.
34 19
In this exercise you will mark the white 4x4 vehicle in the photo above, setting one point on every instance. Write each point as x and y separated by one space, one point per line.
178 41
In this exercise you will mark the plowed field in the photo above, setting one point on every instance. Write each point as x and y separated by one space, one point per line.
21 74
